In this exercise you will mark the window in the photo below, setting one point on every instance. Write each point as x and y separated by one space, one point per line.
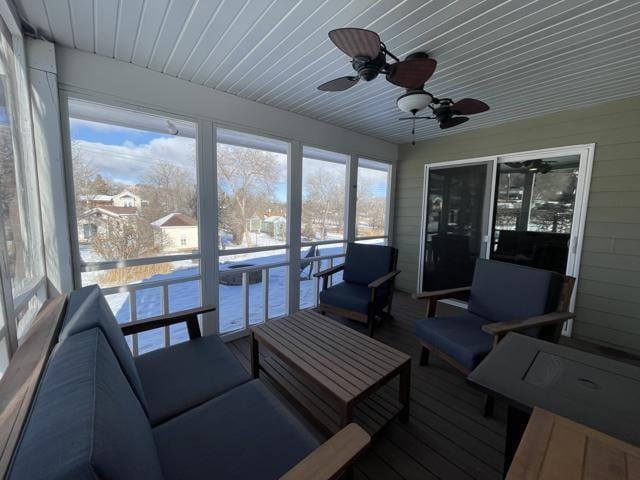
22 283
373 199
135 192
252 228
324 189
324 177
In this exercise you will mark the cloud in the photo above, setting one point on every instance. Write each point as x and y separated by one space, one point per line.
129 163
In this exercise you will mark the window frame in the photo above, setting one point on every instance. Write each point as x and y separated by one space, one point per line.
14 303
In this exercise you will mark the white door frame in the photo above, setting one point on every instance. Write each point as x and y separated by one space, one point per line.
586 153
491 162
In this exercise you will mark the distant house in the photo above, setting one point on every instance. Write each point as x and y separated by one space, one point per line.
122 199
177 232
127 199
276 226
94 221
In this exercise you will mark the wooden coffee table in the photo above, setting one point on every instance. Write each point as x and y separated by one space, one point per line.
331 358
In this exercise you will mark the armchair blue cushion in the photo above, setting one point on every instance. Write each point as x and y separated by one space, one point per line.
503 291
349 296
365 263
500 292
460 337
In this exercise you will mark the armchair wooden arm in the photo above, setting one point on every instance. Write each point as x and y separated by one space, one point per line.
333 457
190 317
378 282
435 295
439 294
500 329
329 271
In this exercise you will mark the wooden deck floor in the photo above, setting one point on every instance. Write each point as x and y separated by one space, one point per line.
446 437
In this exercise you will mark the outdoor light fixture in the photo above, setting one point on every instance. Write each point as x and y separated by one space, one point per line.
414 101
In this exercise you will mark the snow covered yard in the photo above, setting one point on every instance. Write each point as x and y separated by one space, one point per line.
186 295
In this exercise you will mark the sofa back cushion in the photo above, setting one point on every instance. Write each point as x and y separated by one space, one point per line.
504 291
85 422
86 309
364 263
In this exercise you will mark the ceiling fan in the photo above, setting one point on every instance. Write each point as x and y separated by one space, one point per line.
447 112
369 59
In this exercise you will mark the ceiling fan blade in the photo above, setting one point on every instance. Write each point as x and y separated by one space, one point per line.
356 42
416 118
452 122
338 84
411 74
469 106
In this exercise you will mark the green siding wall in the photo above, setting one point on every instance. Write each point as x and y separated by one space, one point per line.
608 301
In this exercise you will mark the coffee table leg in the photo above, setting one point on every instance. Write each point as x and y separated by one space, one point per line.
404 391
346 414
255 357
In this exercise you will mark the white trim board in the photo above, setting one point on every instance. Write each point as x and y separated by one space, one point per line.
103 78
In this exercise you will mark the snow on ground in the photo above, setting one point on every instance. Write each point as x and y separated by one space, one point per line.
186 295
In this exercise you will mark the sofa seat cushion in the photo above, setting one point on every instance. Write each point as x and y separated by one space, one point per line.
185 375
349 296
460 337
86 309
245 433
86 422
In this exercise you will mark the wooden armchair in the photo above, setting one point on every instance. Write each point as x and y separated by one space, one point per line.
366 294
503 298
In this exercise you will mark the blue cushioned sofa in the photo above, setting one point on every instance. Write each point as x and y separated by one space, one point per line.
187 411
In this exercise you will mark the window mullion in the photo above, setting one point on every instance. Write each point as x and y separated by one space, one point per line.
294 223
351 194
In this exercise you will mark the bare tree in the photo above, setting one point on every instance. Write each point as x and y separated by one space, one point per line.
84 175
125 237
246 180
371 205
323 203
169 187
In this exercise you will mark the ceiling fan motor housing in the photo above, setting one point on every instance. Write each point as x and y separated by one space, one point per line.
367 68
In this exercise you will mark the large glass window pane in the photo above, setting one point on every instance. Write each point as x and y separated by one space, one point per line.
324 176
535 202
18 189
135 183
252 190
372 202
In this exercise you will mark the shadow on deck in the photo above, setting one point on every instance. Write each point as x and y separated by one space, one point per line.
446 437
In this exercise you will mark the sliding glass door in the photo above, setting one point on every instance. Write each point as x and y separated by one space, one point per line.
456 210
534 211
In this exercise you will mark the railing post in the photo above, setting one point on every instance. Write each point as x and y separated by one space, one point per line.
245 300
265 294
165 309
134 317
294 224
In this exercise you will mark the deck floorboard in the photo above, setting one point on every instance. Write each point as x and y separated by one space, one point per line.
446 436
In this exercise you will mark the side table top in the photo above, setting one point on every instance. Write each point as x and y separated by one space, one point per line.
555 447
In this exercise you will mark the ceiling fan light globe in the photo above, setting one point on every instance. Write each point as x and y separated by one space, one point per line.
414 101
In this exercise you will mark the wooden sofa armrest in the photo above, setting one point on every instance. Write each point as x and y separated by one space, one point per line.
378 282
500 329
332 457
189 316
329 271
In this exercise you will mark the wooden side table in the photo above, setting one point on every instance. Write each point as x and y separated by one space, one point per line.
554 447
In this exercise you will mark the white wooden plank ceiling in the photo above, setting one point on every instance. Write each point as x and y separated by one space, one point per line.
523 57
